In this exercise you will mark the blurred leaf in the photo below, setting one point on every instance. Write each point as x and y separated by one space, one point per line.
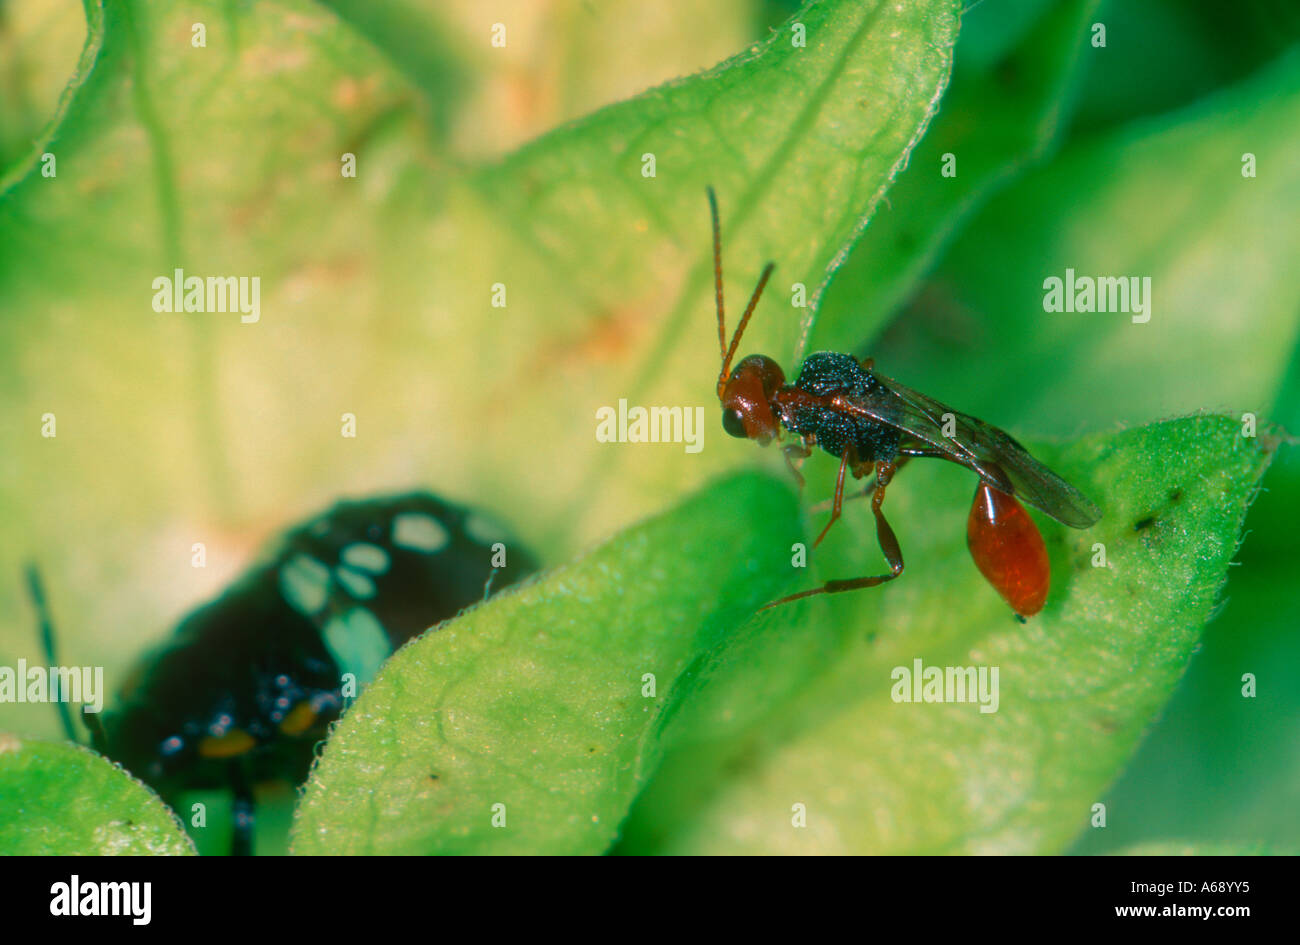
64 800
417 45
39 48
1219 250
1161 55
991 32
536 701
999 115
1191 849
558 62
1078 683
376 291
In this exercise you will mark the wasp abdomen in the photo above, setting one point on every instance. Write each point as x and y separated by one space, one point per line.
1008 549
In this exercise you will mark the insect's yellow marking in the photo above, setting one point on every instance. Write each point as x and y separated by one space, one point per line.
300 718
235 742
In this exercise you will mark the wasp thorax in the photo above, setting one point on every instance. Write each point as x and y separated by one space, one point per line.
747 398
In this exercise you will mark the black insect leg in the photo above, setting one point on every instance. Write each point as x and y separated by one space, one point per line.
98 738
888 546
242 811
46 625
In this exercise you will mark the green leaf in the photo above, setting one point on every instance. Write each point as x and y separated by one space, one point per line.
1171 848
1219 766
1004 110
486 99
64 800
1163 199
39 45
1216 767
1077 684
376 291
1198 53
537 701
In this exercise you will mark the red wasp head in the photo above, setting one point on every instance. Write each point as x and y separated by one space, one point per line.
747 398
747 392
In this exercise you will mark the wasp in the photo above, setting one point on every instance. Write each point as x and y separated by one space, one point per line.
249 683
874 425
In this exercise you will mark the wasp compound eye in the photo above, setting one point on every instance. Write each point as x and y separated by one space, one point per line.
733 424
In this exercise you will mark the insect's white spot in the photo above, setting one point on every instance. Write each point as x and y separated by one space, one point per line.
171 745
417 532
305 584
366 557
355 583
358 643
483 529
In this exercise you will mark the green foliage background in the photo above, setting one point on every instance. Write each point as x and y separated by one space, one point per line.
479 165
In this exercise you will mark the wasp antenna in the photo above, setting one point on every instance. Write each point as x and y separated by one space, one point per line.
717 274
744 320
729 351
46 628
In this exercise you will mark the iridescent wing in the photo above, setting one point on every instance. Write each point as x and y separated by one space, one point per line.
981 447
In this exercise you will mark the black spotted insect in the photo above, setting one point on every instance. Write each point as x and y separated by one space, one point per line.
249 682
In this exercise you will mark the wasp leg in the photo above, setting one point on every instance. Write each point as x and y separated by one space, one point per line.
241 812
871 486
839 496
884 535
797 451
